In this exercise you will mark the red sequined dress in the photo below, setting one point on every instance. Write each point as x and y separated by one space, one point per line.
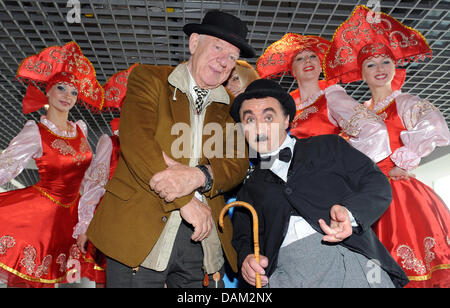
312 118
36 223
332 111
415 227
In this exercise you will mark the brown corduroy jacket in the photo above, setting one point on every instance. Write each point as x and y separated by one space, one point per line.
131 217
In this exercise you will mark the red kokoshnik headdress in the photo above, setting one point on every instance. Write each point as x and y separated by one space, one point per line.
369 34
115 90
277 58
56 64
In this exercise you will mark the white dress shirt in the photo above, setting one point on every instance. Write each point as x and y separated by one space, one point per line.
298 227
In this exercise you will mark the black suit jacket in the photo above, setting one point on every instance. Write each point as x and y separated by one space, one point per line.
324 171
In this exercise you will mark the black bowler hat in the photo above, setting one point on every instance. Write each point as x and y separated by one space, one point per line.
261 88
226 27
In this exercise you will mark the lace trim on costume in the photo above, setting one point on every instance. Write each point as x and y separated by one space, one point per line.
352 127
59 133
310 100
8 161
84 146
302 113
35 272
419 110
410 262
99 175
383 104
65 148
6 242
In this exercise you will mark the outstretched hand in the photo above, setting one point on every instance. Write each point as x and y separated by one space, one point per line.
340 225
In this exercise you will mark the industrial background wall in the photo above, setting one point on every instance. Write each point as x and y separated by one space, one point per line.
115 34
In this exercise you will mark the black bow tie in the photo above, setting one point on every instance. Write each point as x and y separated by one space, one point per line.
284 155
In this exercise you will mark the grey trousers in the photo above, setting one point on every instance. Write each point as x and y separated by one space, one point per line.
185 268
309 263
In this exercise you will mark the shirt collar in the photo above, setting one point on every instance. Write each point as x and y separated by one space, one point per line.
181 79
193 84
288 142
281 168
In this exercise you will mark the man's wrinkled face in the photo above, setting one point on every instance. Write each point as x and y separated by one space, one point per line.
264 123
212 60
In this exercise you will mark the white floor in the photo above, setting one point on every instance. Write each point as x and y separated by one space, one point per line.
85 283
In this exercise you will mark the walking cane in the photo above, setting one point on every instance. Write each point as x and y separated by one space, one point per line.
255 230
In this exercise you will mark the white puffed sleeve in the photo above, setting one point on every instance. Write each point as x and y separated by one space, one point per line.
366 130
25 146
93 184
83 127
426 129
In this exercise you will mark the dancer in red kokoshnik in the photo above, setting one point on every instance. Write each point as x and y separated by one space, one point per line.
415 227
36 222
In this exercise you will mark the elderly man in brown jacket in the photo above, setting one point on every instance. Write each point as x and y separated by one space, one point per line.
157 222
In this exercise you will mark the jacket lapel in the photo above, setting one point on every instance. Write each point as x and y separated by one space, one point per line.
299 158
266 174
297 163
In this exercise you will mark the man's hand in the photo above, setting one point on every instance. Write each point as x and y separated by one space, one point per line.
198 214
177 180
397 173
340 226
250 266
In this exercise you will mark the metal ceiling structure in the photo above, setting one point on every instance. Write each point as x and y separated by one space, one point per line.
114 34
